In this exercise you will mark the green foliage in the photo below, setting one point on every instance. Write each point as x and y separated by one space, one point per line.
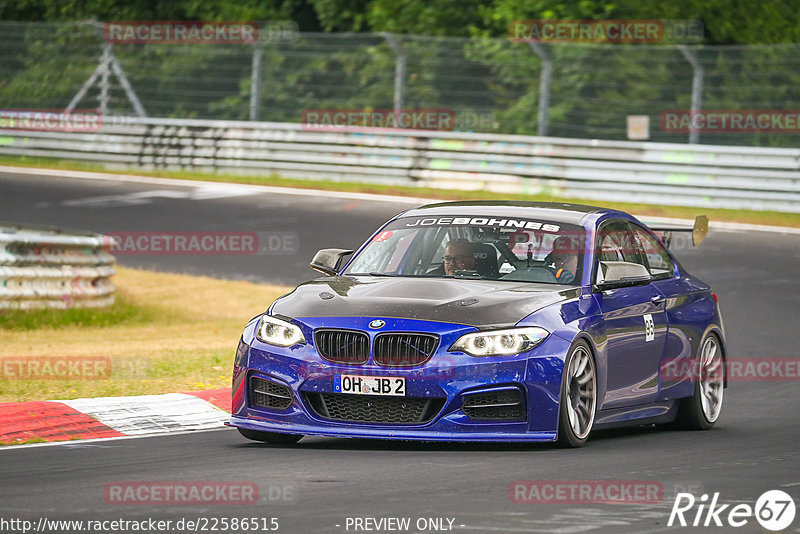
593 86
341 15
431 17
726 21
110 10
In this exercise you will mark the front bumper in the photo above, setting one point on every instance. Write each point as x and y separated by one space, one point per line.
447 378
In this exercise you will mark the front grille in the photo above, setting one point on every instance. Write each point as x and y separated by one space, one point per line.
495 405
342 346
404 349
268 394
374 408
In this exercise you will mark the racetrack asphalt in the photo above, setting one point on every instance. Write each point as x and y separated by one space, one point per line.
319 483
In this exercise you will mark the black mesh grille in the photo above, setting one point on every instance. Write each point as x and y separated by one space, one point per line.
403 349
497 405
374 408
267 394
342 346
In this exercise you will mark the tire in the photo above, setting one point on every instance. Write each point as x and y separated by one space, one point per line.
270 437
578 404
701 411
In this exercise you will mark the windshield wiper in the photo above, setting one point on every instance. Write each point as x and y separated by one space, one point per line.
374 273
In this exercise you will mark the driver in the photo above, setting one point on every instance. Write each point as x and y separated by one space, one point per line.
458 256
565 259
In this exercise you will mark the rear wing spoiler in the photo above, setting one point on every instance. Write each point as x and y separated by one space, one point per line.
698 231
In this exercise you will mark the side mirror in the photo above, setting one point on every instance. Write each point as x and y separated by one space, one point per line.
700 230
329 260
614 274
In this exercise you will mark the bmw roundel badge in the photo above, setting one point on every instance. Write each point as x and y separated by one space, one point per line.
377 323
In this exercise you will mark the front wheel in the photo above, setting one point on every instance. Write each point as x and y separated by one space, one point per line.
702 409
578 397
275 438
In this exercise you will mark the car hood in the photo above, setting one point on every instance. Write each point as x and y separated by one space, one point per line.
479 303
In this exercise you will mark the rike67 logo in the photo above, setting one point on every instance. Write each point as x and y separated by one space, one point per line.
774 510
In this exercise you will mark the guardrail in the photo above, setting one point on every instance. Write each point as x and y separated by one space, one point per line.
44 267
659 173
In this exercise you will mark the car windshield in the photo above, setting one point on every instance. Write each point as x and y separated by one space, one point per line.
494 248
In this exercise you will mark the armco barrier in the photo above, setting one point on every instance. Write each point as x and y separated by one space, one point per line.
679 174
43 267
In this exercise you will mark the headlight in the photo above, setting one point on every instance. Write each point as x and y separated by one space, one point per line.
277 332
500 342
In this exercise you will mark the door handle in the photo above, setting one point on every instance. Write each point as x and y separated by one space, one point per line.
658 299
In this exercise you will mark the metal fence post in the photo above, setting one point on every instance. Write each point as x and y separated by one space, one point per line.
108 62
697 89
399 71
544 87
126 85
255 81
85 87
104 82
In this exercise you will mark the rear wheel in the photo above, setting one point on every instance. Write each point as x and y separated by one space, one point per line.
270 437
702 409
578 397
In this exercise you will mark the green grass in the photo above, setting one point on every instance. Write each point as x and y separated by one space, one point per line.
743 216
171 371
122 312
160 336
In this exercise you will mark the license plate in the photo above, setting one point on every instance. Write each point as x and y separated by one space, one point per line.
370 385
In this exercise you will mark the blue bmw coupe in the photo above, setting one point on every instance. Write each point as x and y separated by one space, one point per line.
487 321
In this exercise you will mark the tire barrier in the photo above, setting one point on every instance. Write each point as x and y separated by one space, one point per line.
47 267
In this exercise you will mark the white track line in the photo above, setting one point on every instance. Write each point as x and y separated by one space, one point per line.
251 188
86 442
255 189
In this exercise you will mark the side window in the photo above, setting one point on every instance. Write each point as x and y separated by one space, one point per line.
632 249
610 242
619 241
658 259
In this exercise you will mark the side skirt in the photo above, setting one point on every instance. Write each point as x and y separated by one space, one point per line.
657 412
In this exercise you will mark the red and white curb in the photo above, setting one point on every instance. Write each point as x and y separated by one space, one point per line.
107 417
